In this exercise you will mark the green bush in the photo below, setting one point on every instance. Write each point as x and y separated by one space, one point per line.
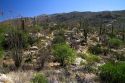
58 40
39 78
95 49
64 54
114 42
2 39
91 58
31 39
113 72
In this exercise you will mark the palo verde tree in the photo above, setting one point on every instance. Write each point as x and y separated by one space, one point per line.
64 54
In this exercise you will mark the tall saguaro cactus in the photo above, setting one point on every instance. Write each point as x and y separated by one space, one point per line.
123 33
100 27
23 24
86 29
34 21
112 28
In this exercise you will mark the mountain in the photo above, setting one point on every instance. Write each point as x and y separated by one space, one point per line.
68 18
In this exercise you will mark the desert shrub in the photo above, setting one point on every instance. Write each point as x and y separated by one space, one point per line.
1 45
121 57
3 42
118 55
113 72
31 39
44 55
95 49
105 51
59 37
64 54
58 40
112 35
91 58
89 68
94 39
80 55
114 42
39 78
1 53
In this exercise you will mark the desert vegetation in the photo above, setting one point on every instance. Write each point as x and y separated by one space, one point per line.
76 47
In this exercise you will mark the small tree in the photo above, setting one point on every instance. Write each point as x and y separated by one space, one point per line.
64 54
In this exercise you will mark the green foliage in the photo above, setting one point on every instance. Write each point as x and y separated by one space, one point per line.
91 58
37 28
113 72
25 37
1 53
64 54
114 42
17 41
2 38
31 40
95 49
58 40
39 78
112 35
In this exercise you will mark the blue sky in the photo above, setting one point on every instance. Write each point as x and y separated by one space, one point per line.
15 8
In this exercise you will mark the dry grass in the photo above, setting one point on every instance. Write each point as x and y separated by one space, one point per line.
21 77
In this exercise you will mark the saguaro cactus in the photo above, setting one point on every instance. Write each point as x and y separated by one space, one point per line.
112 28
23 24
100 27
123 33
86 29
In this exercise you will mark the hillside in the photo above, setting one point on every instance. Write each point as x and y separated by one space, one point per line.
75 47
